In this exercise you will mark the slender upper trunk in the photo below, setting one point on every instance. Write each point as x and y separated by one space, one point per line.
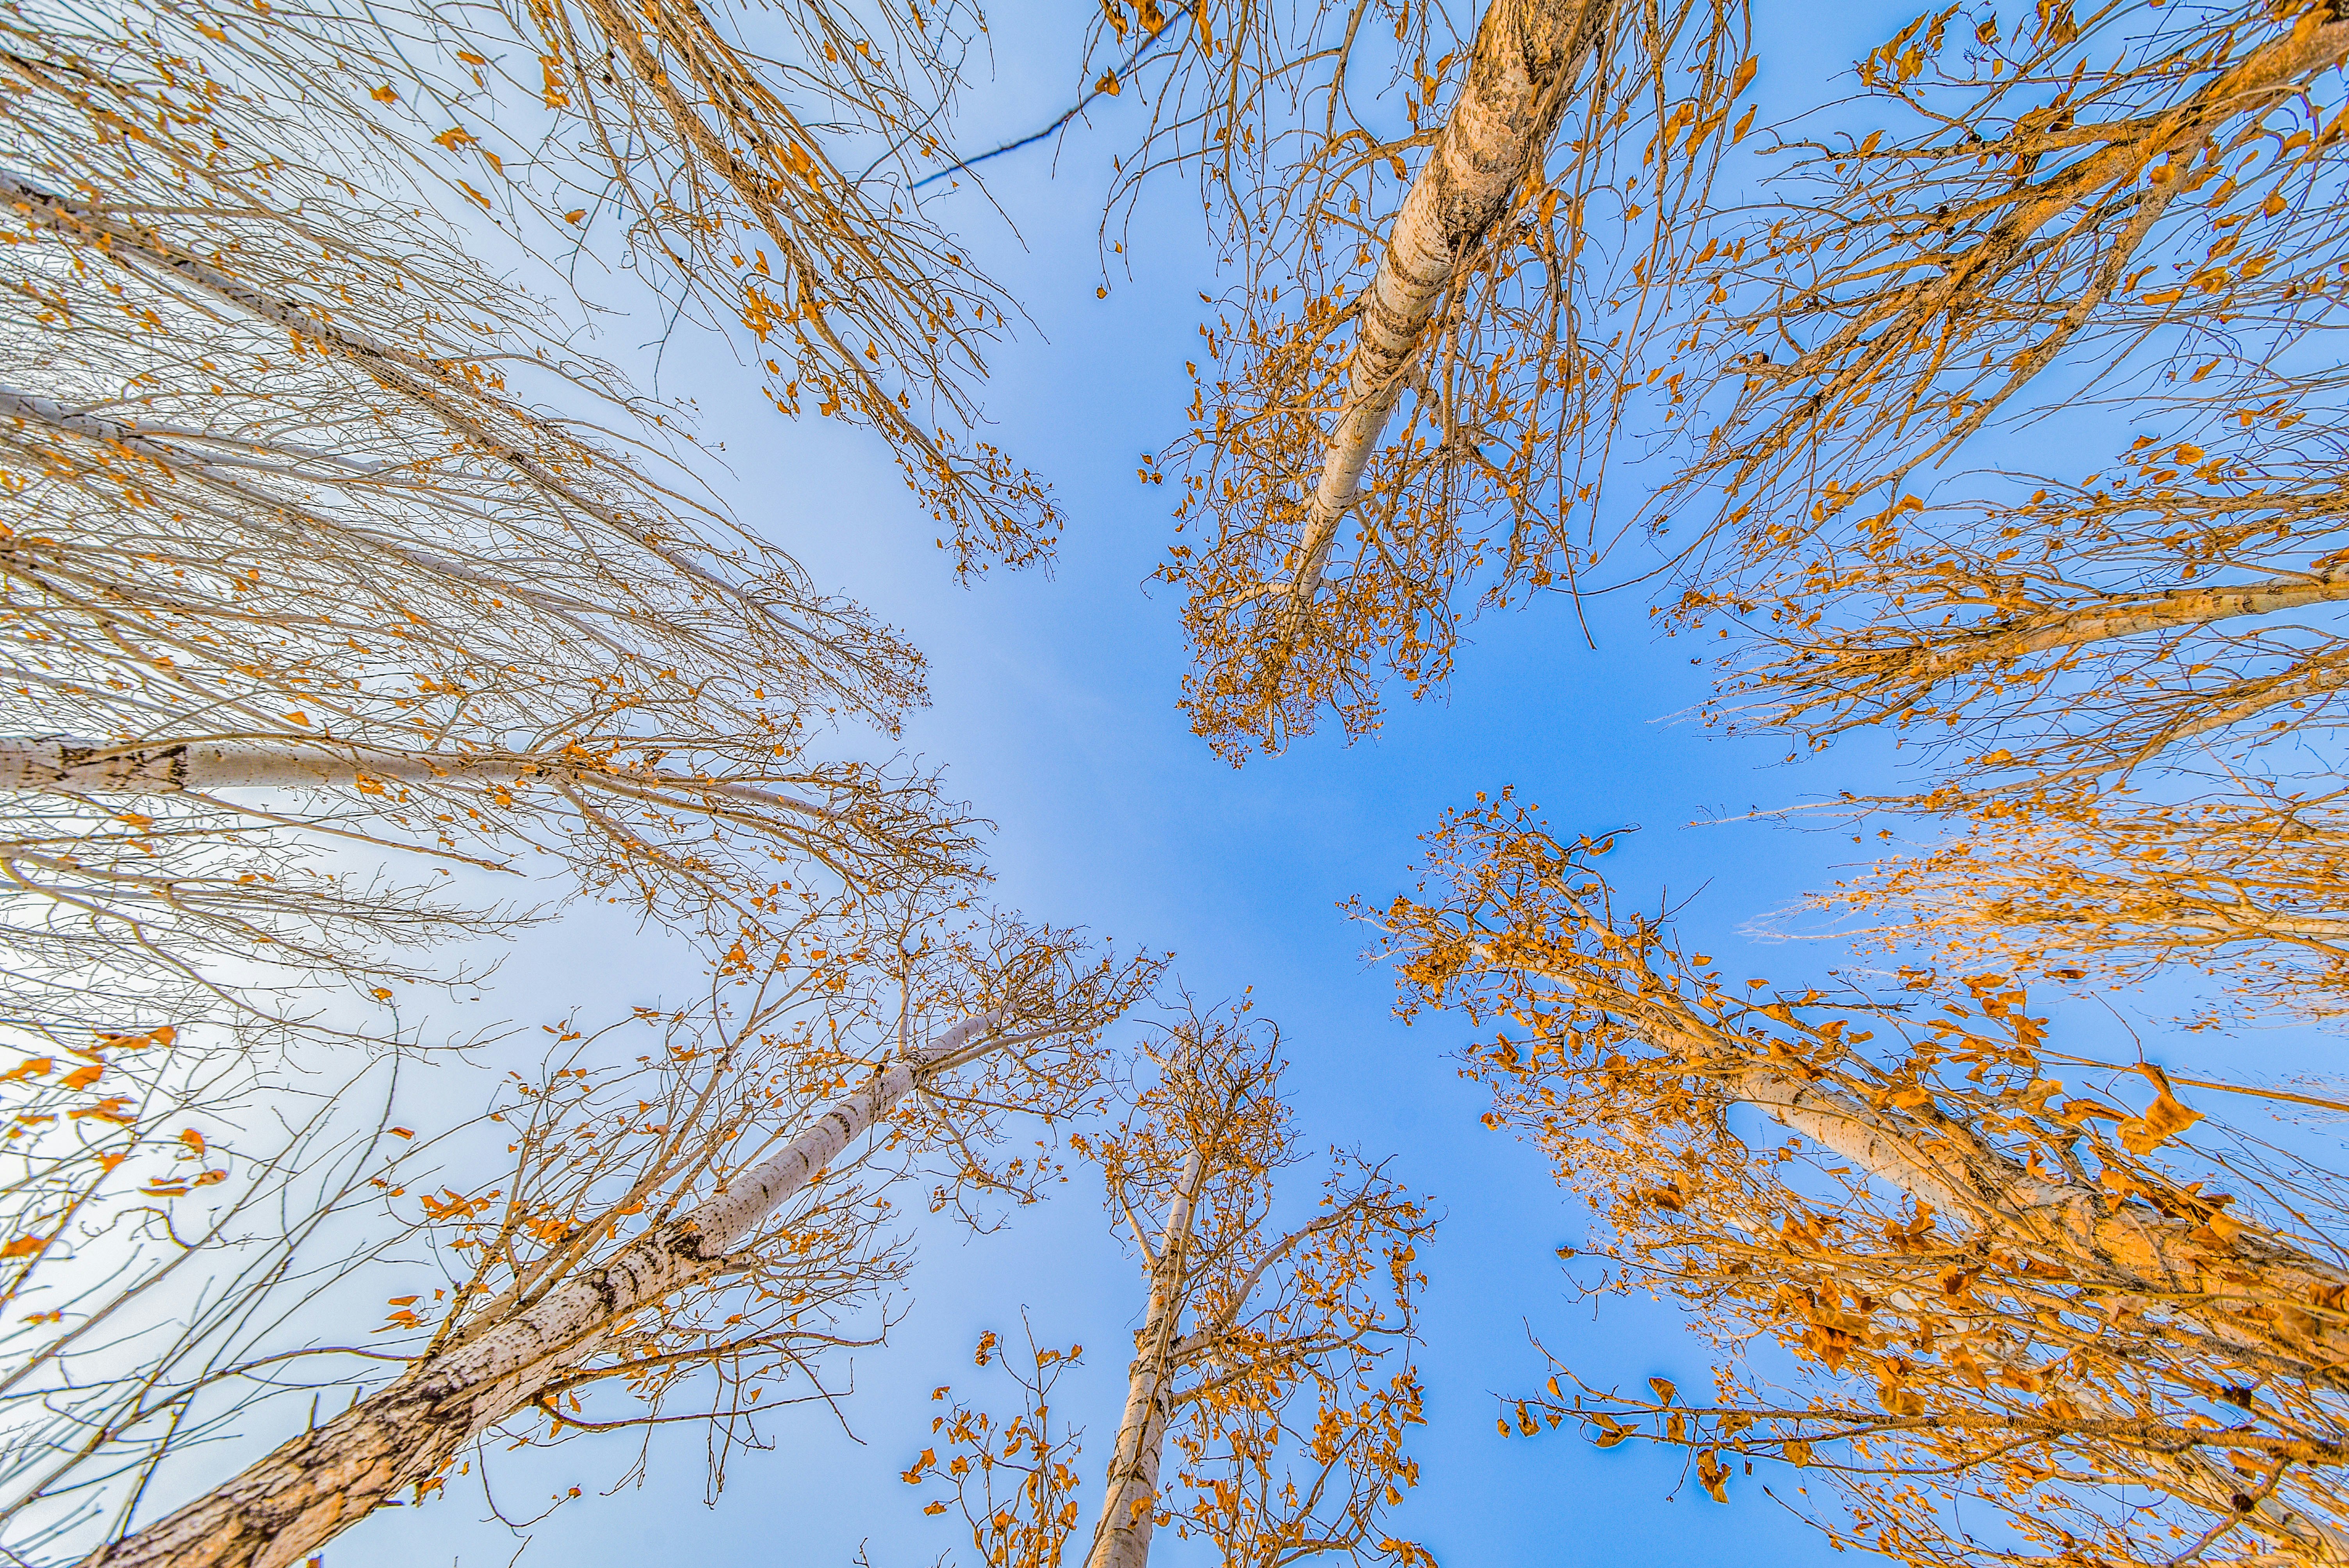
2103 620
64 765
1130 1500
429 382
1527 54
287 1505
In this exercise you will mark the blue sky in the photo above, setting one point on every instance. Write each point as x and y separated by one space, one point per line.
1053 707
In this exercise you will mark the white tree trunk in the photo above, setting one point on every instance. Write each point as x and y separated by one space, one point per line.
2253 1291
1129 1509
64 765
1526 57
285 1506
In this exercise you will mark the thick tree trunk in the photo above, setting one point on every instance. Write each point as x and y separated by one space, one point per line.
2253 1291
1129 1509
286 1506
1526 57
2256 1293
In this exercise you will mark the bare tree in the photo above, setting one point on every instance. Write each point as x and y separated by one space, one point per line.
690 1228
321 534
1259 1358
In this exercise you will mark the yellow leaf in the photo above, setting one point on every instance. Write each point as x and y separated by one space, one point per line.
1665 1392
2162 1120
383 94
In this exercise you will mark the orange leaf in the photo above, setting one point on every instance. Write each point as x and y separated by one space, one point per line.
82 1078
2162 1120
25 1246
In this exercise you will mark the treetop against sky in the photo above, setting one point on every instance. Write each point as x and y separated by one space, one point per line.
567 935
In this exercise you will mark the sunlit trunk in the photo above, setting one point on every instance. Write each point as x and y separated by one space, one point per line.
61 765
289 1504
1528 55
1130 1500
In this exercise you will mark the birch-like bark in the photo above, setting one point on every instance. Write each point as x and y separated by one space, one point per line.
2252 1292
1526 55
2080 625
1966 1179
63 765
1130 1501
286 1506
428 383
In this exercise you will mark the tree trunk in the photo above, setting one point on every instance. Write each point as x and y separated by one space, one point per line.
2081 625
286 1506
428 381
2254 1291
1130 1500
1526 55
63 765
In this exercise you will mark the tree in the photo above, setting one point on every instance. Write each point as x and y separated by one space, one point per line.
2049 1313
708 149
2008 221
2242 888
290 510
681 1229
1259 1351
1465 304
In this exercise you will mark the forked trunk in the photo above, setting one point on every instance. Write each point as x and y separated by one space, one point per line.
286 1506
